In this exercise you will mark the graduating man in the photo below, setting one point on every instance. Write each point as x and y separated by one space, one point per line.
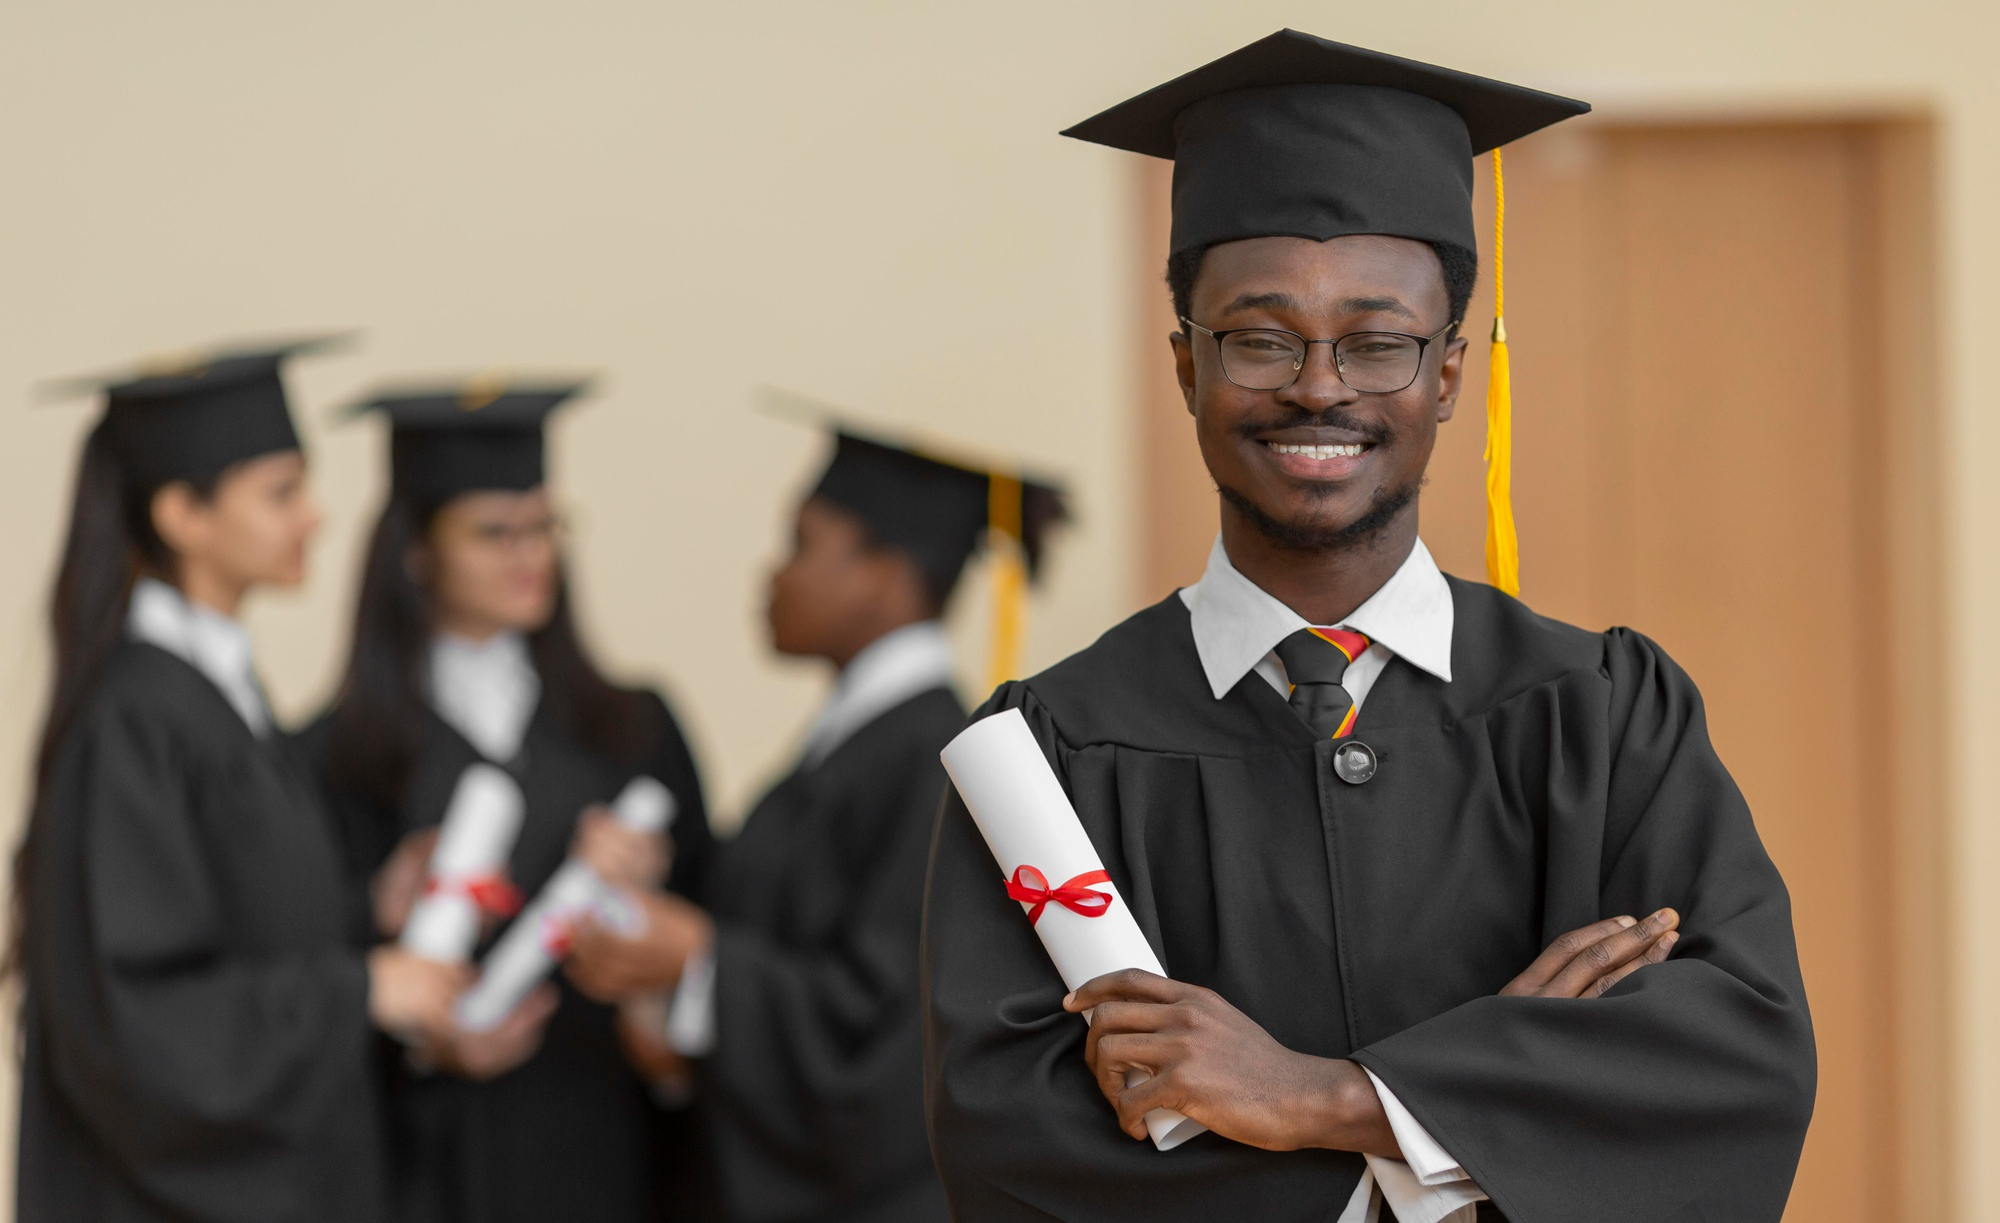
1405 848
795 989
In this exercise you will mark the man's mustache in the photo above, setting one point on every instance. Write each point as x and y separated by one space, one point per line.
1374 431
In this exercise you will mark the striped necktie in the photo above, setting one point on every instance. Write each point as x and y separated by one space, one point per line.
1316 662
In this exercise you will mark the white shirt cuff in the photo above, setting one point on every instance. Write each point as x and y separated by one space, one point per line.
1425 1186
1428 1161
690 1027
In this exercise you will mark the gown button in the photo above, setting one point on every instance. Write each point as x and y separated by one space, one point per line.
1354 762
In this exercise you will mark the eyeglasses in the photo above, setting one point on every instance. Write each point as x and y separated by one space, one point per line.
508 536
1268 359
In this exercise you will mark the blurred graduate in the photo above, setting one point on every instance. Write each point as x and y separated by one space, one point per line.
1460 913
197 1019
466 650
795 985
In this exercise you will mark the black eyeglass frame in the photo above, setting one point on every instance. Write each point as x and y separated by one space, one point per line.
1298 367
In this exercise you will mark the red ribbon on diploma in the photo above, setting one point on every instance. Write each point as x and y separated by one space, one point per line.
1031 887
490 892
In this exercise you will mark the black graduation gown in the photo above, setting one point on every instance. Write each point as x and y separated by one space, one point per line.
1561 777
573 1132
813 1095
196 1022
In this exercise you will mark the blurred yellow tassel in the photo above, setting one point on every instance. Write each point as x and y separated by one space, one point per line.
1010 577
1503 548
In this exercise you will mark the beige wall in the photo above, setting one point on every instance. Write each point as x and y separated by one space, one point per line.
863 201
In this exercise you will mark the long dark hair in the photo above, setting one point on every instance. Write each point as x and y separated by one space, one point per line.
377 724
111 541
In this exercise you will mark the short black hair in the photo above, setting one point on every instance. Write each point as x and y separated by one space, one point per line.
1460 264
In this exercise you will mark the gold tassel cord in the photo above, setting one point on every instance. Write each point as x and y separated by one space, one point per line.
1503 547
1010 576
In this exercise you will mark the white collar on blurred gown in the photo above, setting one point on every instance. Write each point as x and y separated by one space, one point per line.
205 639
893 668
485 690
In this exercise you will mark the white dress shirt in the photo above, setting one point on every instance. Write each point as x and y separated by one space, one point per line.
485 690
893 668
205 639
1237 626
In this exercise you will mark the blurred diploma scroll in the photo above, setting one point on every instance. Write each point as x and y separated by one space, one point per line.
468 865
1027 821
539 938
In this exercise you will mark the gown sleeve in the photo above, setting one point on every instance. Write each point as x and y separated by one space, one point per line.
1017 1123
204 1071
694 844
817 1068
1685 1091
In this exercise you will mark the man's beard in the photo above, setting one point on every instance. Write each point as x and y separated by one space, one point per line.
1310 536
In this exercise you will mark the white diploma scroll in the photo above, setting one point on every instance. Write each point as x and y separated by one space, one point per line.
1028 821
474 842
537 941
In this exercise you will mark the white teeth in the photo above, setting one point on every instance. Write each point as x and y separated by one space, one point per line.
1319 452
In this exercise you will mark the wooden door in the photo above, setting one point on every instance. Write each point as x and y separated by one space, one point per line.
1721 425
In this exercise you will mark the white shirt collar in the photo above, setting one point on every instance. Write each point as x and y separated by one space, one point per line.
893 668
485 690
1236 623
206 640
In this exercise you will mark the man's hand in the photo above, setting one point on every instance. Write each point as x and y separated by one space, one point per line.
621 856
1209 1061
397 885
485 1055
1586 962
611 968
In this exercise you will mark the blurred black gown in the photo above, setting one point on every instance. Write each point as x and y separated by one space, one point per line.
197 1040
572 1133
813 1095
1562 776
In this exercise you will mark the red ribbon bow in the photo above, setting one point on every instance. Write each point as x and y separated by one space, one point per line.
1030 886
490 892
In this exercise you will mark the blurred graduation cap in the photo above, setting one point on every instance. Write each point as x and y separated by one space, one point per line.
1297 136
479 434
938 501
190 415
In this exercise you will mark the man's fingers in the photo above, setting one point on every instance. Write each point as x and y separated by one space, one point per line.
1655 954
1608 954
1127 984
1557 955
1133 1103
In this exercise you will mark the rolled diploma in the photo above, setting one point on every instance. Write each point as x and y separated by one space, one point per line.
1027 820
529 951
480 826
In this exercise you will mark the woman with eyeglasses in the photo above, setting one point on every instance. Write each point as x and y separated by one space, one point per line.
196 1015
465 651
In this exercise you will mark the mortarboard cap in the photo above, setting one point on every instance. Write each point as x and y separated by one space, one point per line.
482 434
191 415
1298 136
938 502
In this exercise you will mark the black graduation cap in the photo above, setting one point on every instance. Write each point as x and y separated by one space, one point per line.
935 508
935 500
1294 135
191 415
481 434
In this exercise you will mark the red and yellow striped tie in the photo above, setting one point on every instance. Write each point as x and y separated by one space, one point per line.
1316 662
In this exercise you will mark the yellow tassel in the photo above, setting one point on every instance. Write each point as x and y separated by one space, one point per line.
1503 548
1010 577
